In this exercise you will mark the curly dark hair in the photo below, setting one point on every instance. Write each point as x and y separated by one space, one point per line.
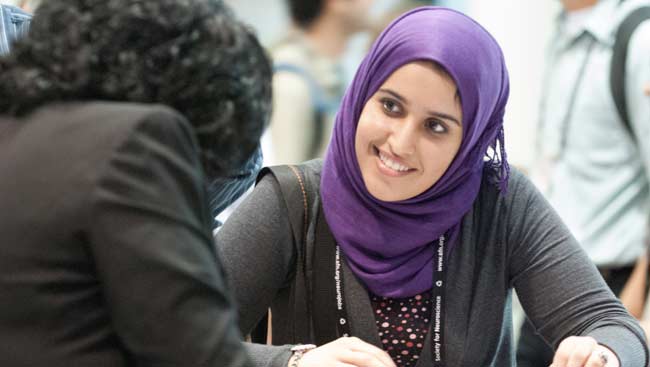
192 55
304 12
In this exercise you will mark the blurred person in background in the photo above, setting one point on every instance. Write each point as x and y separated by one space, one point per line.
29 5
14 23
594 158
396 9
112 115
308 80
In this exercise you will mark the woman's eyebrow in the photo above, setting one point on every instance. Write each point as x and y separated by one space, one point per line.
394 94
437 114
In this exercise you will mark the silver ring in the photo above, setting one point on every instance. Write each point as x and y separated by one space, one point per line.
603 357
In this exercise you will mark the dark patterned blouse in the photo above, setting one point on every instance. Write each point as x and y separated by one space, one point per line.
403 324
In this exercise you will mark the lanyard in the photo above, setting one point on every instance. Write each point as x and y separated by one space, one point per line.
438 293
342 326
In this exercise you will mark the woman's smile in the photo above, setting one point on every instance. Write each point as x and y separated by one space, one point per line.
390 165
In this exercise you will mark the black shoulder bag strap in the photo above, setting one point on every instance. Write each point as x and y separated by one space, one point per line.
619 58
295 194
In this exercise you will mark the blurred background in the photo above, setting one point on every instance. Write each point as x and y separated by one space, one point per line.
521 27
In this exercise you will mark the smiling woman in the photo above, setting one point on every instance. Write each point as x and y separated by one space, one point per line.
403 246
409 132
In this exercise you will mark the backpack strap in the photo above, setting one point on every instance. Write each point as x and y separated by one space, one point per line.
296 197
619 59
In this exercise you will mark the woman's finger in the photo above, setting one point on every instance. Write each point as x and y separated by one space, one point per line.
581 350
362 359
597 359
343 364
359 345
561 357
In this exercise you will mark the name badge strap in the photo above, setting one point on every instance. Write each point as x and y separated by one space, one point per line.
438 293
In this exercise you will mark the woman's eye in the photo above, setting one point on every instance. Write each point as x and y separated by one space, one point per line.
390 106
436 126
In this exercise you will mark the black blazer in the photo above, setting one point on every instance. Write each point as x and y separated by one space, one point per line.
106 253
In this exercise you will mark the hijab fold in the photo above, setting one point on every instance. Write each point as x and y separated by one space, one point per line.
390 245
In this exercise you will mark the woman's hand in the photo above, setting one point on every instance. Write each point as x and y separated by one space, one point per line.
583 351
346 352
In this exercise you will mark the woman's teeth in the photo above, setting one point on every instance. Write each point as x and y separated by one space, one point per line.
392 164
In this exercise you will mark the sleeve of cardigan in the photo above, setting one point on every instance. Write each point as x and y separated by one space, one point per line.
256 247
559 287
150 239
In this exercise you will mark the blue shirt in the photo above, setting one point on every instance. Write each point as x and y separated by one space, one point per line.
14 23
596 175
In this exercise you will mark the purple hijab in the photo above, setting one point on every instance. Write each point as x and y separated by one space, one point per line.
390 245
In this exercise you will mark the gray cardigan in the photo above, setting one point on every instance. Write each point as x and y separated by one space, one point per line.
512 241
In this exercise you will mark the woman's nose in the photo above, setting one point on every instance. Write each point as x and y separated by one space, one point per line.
403 138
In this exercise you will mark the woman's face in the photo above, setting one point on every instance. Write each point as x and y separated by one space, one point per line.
409 132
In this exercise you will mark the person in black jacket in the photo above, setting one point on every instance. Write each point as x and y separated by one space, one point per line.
112 113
